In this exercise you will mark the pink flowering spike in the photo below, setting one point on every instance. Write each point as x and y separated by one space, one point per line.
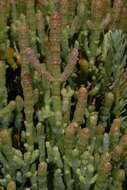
73 58
118 4
39 67
23 34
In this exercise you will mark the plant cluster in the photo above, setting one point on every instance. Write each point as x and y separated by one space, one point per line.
63 95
